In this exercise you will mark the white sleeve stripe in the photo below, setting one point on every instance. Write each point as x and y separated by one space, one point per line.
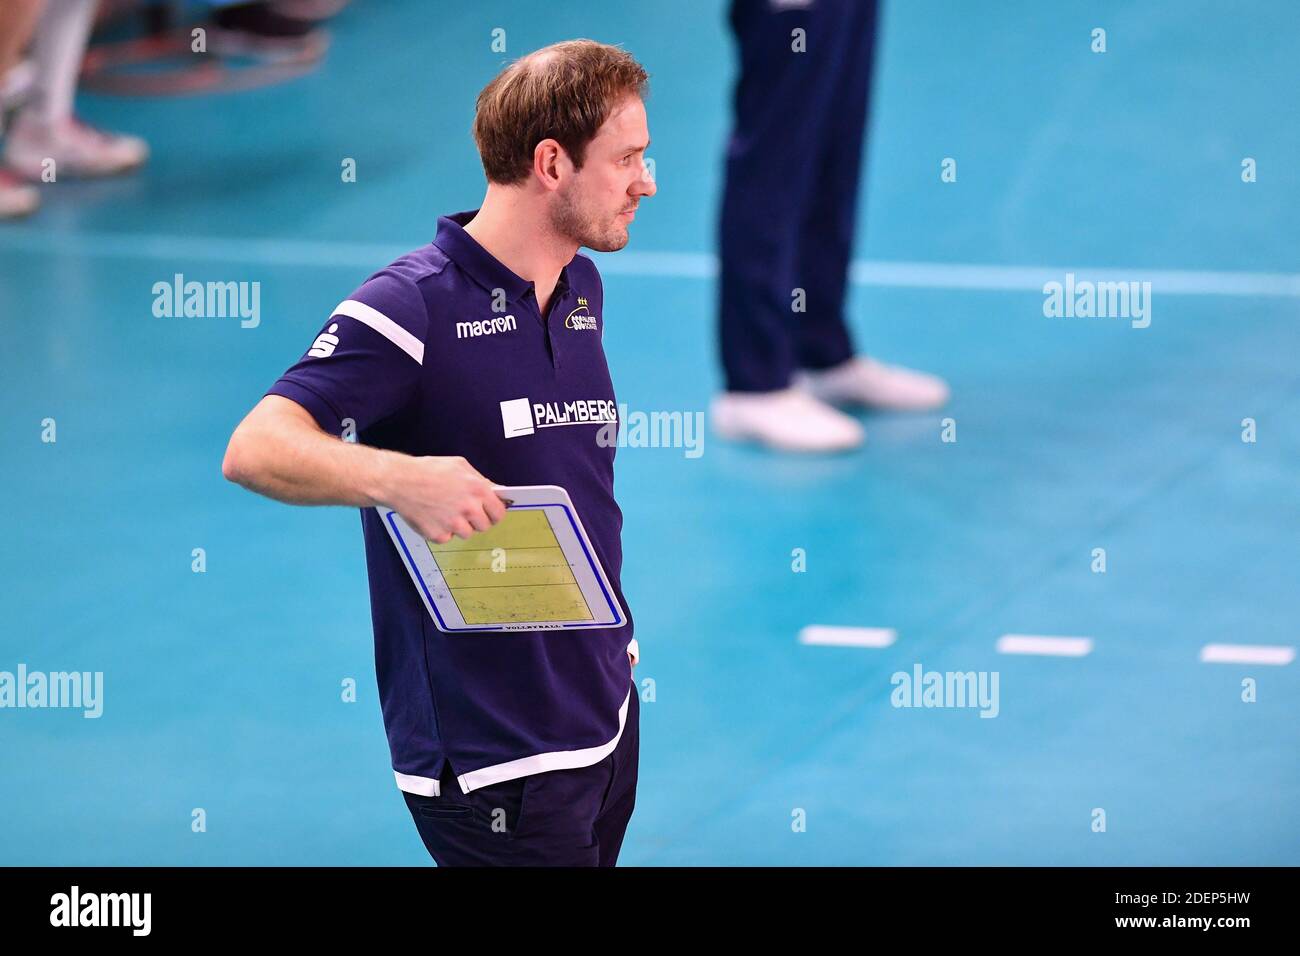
382 324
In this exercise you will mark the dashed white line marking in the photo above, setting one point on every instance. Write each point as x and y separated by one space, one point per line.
848 636
1044 644
1277 654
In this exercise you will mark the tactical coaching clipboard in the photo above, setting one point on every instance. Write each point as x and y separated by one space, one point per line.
534 570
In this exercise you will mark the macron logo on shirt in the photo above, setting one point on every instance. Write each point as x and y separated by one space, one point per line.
499 323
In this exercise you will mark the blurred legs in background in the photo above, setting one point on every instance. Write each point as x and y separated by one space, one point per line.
46 128
17 21
267 30
786 231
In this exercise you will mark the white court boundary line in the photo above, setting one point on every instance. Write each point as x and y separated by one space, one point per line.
1043 644
1046 645
1275 654
828 636
306 253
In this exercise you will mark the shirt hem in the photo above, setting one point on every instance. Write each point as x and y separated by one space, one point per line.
523 767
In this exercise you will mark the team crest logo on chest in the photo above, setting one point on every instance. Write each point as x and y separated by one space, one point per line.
580 319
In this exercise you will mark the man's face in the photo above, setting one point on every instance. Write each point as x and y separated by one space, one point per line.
596 203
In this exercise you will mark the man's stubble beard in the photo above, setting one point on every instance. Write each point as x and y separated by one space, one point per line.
570 220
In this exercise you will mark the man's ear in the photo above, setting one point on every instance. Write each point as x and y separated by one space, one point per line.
550 163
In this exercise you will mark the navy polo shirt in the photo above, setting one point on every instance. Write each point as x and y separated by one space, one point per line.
430 356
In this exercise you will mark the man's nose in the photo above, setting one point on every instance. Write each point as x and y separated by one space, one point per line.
645 186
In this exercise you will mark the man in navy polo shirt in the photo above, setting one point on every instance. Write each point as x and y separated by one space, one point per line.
517 747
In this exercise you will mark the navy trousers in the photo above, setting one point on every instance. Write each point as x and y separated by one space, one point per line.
557 818
792 170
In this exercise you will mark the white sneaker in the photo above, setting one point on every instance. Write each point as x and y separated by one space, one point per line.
78 150
788 419
864 381
16 197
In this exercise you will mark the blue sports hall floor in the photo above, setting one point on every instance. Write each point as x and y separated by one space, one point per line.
1073 434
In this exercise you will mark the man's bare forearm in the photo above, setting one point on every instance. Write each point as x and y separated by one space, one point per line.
279 451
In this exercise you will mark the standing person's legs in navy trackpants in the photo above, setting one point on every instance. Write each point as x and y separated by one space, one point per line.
792 173
830 213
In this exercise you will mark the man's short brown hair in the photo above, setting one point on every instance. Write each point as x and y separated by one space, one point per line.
563 92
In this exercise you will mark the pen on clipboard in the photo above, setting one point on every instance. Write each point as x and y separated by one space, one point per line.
508 502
